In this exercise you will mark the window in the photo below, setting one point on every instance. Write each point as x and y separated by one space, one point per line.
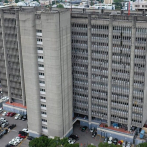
43 127
39 48
43 98
41 74
40 65
40 57
43 90
43 112
42 82
42 105
39 39
44 120
39 31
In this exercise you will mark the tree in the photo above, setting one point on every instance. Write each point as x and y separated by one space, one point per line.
60 6
6 1
91 145
44 141
142 144
106 145
118 4
16 1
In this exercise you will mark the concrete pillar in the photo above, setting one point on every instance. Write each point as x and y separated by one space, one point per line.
89 68
5 55
110 68
20 59
132 71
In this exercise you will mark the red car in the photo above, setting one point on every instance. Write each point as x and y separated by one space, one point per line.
12 114
21 136
8 114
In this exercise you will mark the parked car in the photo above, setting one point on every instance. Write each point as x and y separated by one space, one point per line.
94 134
16 116
8 114
9 145
5 98
12 126
4 113
71 141
22 133
18 138
106 139
110 140
20 117
124 144
4 124
25 130
119 142
22 136
1 135
92 129
24 117
12 114
84 128
128 144
114 141
30 138
5 131
74 137
133 128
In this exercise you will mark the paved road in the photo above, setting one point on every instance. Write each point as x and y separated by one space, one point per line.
85 137
14 132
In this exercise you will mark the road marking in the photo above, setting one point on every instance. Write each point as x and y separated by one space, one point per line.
22 141
14 130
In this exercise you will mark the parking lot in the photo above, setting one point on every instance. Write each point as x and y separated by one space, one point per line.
14 132
85 137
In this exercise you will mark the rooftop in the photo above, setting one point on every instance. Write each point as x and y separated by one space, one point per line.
16 105
102 125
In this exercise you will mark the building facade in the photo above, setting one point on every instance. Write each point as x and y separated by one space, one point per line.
109 68
85 63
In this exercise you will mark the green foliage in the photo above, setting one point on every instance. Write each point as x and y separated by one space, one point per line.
48 142
118 5
16 1
91 145
106 145
142 144
60 6
6 1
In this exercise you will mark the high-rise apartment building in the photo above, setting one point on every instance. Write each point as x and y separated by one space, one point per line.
85 63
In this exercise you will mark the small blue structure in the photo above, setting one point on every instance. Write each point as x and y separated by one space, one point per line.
142 134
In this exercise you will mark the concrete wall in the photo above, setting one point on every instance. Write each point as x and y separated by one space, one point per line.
57 64
29 53
114 134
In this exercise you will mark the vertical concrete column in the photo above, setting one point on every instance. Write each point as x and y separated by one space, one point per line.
110 68
20 58
132 70
5 55
89 68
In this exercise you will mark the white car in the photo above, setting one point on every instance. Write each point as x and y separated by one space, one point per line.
4 113
13 142
71 141
25 130
128 144
5 98
110 140
16 116
18 138
92 129
2 118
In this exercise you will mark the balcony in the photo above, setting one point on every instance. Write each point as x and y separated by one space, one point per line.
39 43
39 34
40 68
